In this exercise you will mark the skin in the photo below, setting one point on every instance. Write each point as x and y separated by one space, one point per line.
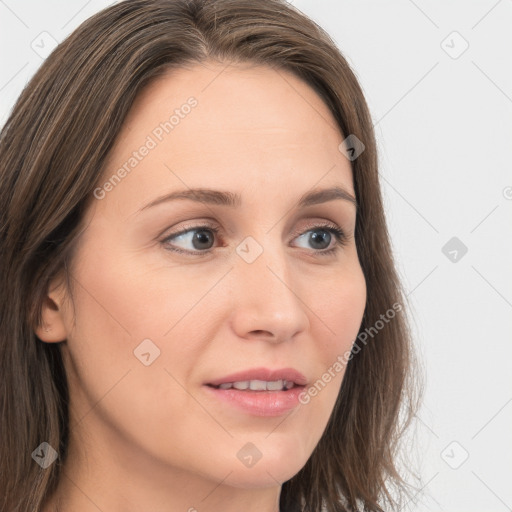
149 437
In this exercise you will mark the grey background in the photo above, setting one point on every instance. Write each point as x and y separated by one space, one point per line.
444 125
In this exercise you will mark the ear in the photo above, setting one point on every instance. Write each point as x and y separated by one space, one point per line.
53 328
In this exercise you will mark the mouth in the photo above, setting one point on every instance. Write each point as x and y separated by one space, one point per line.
260 391
257 385
255 378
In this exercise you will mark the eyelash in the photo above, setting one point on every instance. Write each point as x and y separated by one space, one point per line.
340 238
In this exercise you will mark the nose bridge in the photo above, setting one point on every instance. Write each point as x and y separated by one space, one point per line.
265 299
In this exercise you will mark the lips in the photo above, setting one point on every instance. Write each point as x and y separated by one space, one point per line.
287 375
258 391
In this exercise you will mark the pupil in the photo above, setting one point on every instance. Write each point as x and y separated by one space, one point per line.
201 237
315 238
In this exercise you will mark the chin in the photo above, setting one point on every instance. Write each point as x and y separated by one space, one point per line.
264 475
273 464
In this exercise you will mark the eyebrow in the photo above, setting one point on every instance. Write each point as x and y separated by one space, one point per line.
233 200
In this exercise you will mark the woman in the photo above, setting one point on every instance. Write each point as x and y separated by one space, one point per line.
142 370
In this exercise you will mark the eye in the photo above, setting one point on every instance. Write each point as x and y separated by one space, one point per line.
200 239
322 236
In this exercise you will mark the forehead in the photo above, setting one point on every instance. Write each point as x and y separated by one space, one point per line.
214 123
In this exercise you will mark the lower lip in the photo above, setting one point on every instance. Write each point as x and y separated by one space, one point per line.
259 403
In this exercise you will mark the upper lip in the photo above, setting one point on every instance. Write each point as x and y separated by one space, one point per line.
266 374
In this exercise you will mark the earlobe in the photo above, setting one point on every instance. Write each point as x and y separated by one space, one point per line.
53 327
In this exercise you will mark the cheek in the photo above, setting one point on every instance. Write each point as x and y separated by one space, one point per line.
120 302
339 307
337 314
129 296
117 306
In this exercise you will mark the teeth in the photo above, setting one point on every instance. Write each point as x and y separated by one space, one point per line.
275 385
258 385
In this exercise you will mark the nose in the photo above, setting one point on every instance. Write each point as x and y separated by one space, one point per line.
266 301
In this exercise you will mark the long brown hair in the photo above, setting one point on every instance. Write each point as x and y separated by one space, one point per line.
53 148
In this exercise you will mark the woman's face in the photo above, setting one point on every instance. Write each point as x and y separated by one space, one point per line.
174 296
